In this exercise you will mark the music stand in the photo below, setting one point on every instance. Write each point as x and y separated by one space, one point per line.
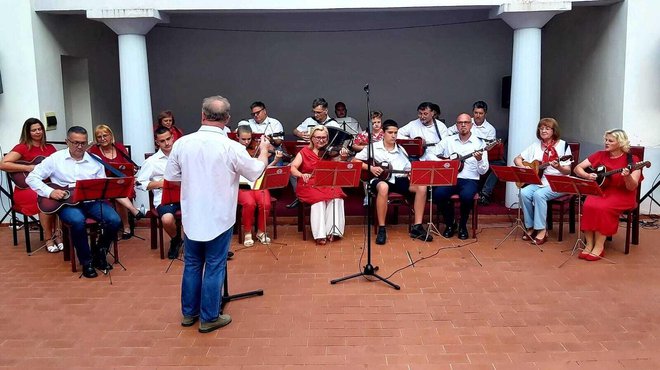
273 178
413 147
99 190
521 175
579 187
337 174
434 173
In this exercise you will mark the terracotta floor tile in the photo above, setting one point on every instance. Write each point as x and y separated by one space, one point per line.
518 311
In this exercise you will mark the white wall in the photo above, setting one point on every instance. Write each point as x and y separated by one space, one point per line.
453 65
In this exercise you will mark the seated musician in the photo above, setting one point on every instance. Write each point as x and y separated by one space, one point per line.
426 127
467 184
327 213
600 214
151 177
319 117
32 145
252 200
261 123
345 122
548 149
166 119
115 154
388 151
362 139
64 168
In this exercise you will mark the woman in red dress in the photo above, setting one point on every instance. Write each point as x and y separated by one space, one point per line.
166 119
115 153
600 214
327 213
32 145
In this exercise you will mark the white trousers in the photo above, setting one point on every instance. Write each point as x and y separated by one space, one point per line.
322 221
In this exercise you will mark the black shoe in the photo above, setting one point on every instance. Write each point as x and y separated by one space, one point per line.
126 235
418 232
381 237
230 255
462 233
89 271
139 215
175 245
449 231
484 199
293 204
101 263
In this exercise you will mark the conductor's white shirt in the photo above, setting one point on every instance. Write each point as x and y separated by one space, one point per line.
209 166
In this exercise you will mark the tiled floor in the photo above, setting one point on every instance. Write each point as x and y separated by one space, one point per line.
518 311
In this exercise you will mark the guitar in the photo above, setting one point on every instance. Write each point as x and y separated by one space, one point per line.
19 177
462 158
539 166
602 173
50 206
385 175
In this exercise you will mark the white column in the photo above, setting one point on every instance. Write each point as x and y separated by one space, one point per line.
524 113
137 118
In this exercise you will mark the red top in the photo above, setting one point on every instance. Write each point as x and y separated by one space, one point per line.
306 191
363 137
36 151
119 158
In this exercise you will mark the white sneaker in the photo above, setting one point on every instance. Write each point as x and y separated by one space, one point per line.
247 240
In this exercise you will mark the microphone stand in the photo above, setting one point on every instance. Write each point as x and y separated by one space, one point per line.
369 269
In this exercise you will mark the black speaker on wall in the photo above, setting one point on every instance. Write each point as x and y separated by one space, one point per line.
506 92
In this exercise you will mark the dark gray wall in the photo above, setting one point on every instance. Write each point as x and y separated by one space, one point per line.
461 59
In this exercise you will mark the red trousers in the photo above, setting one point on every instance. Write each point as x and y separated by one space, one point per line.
251 200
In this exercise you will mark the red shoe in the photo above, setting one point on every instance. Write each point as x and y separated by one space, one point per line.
583 255
538 241
593 257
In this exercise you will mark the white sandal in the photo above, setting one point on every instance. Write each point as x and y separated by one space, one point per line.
247 240
52 248
263 238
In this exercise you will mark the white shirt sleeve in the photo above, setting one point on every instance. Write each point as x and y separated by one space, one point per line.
35 178
246 166
144 175
404 132
173 167
452 130
362 154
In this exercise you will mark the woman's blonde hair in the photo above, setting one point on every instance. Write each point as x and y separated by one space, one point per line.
313 130
106 128
621 137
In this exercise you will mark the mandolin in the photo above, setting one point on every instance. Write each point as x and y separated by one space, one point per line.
602 173
539 166
387 171
462 158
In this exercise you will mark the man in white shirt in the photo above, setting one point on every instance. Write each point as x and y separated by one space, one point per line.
319 117
481 128
150 178
468 179
425 126
261 123
388 153
209 166
64 168
346 123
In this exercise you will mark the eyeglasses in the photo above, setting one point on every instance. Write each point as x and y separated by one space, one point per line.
463 123
320 138
254 114
78 144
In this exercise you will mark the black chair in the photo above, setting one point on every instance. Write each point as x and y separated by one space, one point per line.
565 202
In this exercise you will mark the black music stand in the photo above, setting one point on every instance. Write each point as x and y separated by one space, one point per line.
273 178
413 147
521 175
337 174
172 195
99 190
579 187
434 173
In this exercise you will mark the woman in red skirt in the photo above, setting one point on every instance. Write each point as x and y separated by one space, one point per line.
600 214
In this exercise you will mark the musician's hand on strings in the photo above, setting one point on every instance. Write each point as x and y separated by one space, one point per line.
376 170
591 176
554 163
625 172
343 152
263 145
58 194
306 177
478 155
278 154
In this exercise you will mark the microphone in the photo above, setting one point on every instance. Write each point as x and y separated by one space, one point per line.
366 88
